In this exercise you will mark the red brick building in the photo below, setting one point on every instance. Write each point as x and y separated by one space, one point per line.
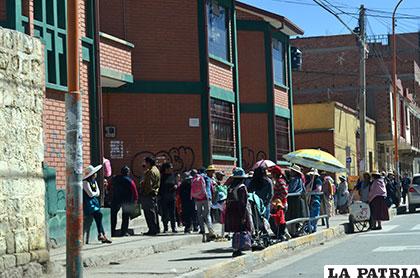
330 72
183 103
47 21
265 84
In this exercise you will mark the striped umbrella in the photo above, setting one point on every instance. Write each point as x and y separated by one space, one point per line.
317 159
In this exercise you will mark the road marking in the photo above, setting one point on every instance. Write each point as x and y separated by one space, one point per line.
391 234
416 228
397 248
386 228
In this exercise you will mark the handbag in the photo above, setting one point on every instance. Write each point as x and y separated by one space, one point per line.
136 211
242 241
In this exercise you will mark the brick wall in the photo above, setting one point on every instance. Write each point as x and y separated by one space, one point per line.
242 15
154 124
165 33
220 75
115 56
3 10
54 122
55 128
314 140
281 97
254 131
251 64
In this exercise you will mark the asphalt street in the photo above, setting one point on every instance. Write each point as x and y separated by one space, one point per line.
396 244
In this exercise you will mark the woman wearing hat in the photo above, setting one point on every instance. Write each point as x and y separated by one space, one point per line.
91 204
297 205
343 195
378 207
238 218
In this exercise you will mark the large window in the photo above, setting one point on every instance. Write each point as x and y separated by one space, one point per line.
217 29
50 26
222 127
278 62
282 137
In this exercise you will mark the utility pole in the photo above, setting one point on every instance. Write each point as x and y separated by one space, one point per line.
395 93
362 100
74 159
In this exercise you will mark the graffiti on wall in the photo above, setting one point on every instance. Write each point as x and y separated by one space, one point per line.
250 157
182 158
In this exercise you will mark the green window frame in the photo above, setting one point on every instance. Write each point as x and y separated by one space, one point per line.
222 129
50 25
283 138
279 56
218 36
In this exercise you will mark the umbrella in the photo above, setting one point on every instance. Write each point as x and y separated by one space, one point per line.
264 164
317 159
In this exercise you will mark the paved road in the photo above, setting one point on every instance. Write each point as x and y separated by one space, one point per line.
397 243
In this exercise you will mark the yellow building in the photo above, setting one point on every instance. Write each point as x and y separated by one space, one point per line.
333 127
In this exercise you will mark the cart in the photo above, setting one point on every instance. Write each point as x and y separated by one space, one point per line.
359 216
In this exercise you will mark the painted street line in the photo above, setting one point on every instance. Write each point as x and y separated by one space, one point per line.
397 248
385 229
416 228
391 234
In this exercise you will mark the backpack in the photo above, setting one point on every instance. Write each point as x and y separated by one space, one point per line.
198 188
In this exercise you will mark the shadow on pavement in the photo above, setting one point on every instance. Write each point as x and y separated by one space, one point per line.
201 258
218 251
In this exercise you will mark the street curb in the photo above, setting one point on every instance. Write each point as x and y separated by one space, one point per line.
56 267
252 260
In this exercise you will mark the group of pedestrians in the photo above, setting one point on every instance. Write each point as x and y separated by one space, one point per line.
381 191
196 199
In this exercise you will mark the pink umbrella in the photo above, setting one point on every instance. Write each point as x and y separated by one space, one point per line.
264 164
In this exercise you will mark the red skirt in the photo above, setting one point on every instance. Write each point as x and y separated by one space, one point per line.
379 209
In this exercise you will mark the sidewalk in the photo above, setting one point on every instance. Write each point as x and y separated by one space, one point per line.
144 252
171 255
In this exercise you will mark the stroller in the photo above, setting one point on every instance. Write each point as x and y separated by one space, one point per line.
261 237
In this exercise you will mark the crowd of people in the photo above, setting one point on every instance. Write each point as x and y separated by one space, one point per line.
197 199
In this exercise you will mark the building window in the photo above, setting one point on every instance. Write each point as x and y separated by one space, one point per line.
282 137
278 62
217 29
50 26
222 127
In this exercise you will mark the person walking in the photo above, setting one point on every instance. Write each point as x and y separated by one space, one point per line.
262 186
201 192
91 204
189 213
343 196
238 218
393 190
149 192
167 194
378 208
125 196
406 181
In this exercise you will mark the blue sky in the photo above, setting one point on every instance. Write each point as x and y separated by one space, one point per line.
318 22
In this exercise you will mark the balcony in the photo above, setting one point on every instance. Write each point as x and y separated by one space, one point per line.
116 63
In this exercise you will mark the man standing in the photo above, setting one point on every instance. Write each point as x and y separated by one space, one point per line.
124 195
149 192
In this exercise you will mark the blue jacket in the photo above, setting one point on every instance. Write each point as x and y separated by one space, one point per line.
209 182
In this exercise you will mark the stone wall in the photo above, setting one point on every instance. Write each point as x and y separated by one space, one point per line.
22 188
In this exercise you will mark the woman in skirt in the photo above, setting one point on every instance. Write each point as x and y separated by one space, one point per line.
238 218
378 207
